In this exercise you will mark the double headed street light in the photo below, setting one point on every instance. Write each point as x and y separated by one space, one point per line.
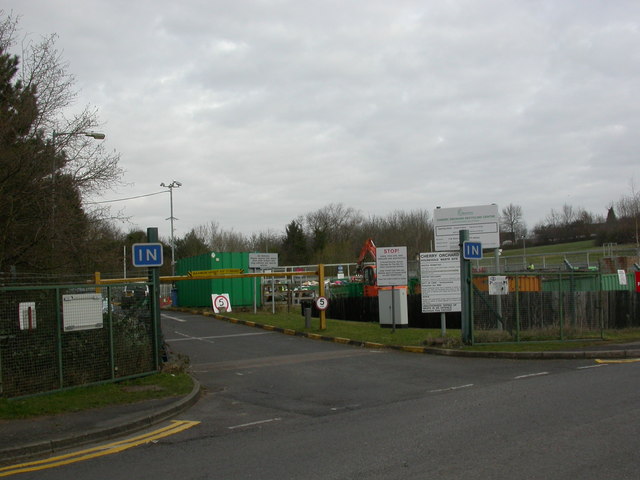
171 186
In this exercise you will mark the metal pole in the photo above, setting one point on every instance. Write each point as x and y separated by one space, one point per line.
255 293
171 186
154 293
393 309
273 294
173 245
465 280
323 314
496 253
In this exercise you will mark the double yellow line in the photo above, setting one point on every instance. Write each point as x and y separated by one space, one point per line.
176 426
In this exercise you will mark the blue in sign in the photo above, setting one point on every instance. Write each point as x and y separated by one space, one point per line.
146 254
472 250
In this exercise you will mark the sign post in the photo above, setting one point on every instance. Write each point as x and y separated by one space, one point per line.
465 291
150 255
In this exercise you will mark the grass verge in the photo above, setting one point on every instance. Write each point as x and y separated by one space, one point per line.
159 385
361 331
372 332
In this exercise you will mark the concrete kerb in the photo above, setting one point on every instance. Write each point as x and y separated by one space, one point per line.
551 355
76 439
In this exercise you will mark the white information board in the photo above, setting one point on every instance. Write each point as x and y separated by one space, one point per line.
440 282
391 266
263 261
482 221
82 311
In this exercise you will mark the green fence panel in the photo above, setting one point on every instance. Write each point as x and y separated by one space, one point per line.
57 337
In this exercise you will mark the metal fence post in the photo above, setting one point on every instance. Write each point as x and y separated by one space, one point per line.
517 308
58 320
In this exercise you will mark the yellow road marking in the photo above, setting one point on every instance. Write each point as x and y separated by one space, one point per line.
176 426
622 360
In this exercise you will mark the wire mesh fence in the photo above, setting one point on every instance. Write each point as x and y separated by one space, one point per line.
56 337
550 306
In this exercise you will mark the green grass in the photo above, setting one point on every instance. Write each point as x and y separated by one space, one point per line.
154 386
362 331
372 332
550 249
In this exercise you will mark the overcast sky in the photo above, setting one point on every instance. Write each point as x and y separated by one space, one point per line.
267 110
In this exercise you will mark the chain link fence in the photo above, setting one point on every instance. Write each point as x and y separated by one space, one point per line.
551 306
57 337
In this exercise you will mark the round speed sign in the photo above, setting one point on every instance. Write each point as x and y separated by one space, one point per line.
322 303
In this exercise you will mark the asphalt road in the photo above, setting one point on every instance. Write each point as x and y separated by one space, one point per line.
283 407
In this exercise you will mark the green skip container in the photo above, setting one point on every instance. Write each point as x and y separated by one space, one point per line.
197 292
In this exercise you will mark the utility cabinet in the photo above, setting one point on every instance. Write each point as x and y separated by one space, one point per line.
392 306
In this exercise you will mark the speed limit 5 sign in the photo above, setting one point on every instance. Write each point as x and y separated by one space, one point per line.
322 303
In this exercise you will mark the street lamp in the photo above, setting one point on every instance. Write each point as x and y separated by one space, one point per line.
96 135
171 186
524 250
54 135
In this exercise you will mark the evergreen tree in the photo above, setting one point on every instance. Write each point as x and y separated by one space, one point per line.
294 246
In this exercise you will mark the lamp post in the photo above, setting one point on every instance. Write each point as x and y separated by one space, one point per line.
171 186
524 250
54 135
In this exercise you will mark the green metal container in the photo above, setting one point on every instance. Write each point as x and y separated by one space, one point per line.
197 293
580 282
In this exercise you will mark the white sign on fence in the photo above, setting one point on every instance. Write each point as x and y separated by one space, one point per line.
498 285
440 282
82 311
391 266
482 221
263 261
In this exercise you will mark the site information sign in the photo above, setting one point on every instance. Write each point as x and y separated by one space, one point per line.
391 266
440 282
263 261
482 222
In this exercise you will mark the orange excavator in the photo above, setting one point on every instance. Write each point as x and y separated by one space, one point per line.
367 272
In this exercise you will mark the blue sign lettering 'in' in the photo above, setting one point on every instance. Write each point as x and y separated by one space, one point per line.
147 254
472 250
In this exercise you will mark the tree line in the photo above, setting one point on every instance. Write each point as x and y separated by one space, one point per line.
48 165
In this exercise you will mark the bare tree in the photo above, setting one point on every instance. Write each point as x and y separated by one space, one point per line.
511 221
91 167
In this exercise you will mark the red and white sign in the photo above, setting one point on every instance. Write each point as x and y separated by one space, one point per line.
322 303
391 266
637 281
221 302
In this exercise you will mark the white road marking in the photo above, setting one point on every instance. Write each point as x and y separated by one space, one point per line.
451 388
251 424
593 366
181 320
531 375
189 337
